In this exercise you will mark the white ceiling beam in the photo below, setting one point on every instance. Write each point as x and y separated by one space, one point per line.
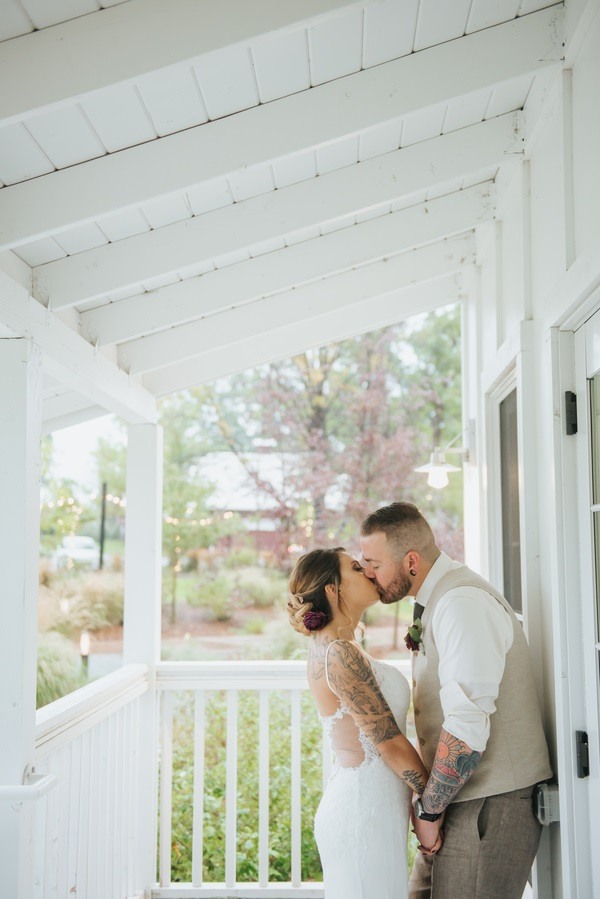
184 245
122 43
338 322
290 267
67 409
328 112
302 306
70 359
77 417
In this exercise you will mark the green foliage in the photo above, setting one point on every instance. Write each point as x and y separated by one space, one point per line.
217 597
58 668
88 602
247 798
261 588
255 625
241 557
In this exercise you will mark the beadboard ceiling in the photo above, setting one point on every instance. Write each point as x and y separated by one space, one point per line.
192 188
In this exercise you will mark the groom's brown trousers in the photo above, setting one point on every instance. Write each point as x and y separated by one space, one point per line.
488 850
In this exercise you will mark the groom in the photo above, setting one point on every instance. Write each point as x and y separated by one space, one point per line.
477 715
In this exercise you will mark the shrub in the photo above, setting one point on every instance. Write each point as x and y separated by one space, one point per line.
240 557
260 588
255 625
58 668
216 596
247 797
86 603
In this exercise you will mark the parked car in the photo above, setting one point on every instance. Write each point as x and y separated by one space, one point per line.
82 552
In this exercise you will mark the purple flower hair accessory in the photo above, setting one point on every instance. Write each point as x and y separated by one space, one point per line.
314 621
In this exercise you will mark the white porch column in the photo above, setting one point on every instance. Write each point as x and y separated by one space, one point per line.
141 637
20 430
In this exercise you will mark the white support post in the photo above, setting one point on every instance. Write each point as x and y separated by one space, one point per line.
20 430
141 633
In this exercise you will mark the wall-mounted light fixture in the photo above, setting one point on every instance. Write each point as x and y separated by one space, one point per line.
437 468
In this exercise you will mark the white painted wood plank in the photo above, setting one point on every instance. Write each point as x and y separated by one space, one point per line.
123 224
38 252
14 20
210 195
172 100
198 817
378 141
231 258
281 64
291 267
70 359
509 95
296 774
230 326
44 14
119 118
74 56
338 224
248 184
389 30
423 125
440 22
83 829
289 340
376 212
77 240
486 13
20 156
226 80
467 110
293 169
375 181
337 155
166 210
313 118
65 136
335 46
231 789
267 246
166 789
263 789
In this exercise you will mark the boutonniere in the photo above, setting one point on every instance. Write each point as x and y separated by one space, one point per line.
414 636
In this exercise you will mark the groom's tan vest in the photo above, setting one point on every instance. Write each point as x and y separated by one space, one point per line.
516 754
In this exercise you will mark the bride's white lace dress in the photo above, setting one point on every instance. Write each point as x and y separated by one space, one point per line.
361 825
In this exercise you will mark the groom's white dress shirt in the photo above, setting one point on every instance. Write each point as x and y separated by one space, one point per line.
472 633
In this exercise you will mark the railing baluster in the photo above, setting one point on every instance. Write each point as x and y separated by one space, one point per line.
296 789
198 825
166 788
73 777
84 811
231 790
263 789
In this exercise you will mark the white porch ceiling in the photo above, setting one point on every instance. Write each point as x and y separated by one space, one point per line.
200 187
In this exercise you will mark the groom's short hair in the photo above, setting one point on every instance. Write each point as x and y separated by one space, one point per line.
405 529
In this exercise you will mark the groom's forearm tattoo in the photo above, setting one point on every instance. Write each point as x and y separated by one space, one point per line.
453 765
353 680
415 780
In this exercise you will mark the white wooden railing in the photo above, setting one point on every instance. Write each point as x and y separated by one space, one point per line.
183 686
87 825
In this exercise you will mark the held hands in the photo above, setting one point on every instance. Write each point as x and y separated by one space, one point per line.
428 833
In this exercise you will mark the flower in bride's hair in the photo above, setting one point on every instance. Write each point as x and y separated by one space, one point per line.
314 621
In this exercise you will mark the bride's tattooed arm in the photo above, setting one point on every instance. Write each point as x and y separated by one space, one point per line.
453 765
352 679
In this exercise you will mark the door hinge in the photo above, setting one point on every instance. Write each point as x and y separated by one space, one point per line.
570 412
583 755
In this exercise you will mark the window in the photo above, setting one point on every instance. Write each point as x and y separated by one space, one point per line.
509 474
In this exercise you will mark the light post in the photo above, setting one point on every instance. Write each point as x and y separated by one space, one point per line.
84 651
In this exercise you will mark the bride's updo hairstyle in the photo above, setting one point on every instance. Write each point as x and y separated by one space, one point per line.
308 607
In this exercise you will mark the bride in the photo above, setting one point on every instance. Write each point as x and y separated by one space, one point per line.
361 825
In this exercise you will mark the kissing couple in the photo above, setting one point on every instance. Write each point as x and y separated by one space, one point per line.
481 748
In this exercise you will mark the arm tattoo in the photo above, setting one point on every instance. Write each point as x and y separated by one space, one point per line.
353 681
453 765
414 780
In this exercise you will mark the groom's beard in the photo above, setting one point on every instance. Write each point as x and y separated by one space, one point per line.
397 589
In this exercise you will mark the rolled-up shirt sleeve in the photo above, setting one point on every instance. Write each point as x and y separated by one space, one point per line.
473 633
